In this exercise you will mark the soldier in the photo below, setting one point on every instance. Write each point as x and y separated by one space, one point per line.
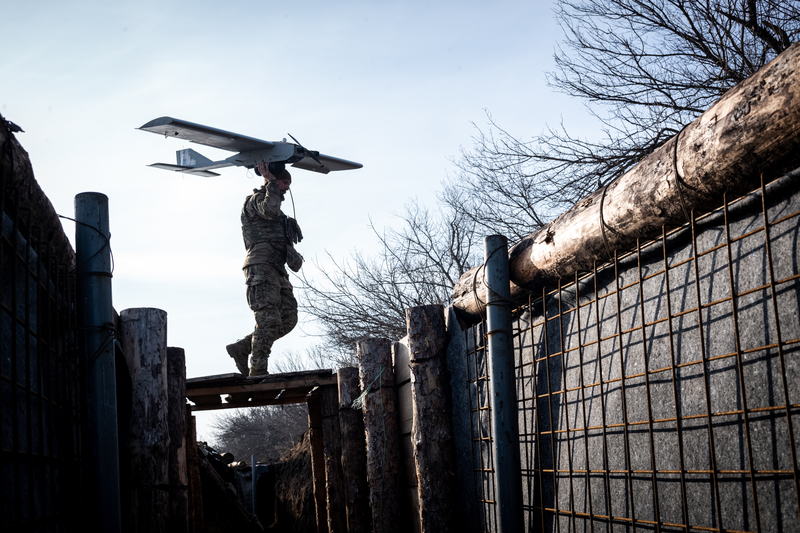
269 237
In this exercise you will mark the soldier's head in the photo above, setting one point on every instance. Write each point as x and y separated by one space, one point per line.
283 177
275 171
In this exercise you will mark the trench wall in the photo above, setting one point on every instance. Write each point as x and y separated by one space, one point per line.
40 426
661 390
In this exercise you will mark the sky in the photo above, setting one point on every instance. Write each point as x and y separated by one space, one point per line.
396 86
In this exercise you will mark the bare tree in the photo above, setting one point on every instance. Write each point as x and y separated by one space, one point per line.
311 358
265 432
367 297
644 69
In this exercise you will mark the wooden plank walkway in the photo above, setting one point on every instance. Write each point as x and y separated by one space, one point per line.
228 391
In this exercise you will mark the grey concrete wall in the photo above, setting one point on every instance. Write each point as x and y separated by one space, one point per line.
652 451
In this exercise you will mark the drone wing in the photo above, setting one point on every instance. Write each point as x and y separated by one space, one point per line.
328 163
226 140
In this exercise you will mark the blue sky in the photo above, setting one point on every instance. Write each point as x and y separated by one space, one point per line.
395 86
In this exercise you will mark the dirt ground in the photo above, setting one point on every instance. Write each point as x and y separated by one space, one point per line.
294 490
294 507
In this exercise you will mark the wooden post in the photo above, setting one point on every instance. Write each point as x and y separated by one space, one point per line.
144 343
196 524
354 453
383 436
317 460
178 477
332 448
432 433
405 420
752 129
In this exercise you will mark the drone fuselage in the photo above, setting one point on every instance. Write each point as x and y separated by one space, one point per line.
280 153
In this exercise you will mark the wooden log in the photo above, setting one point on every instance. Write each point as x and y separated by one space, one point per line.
753 129
383 436
332 449
405 416
314 404
354 453
250 387
176 418
195 503
144 343
432 432
459 370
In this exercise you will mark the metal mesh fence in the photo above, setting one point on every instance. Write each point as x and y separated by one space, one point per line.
661 391
39 378
481 424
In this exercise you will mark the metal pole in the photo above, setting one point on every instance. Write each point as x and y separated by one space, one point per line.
96 322
502 383
253 479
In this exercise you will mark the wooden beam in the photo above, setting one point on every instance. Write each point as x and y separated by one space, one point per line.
753 129
278 389
251 403
258 387
207 400
238 379
191 382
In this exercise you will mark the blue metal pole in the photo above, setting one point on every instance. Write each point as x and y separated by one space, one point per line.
253 479
96 323
502 387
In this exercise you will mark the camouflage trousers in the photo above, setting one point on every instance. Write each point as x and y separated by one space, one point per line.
270 296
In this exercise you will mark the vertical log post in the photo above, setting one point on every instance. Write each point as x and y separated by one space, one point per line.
193 470
458 368
383 435
432 432
354 453
332 448
317 459
176 418
405 420
144 343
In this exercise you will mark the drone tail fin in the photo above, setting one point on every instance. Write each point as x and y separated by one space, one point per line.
185 169
189 158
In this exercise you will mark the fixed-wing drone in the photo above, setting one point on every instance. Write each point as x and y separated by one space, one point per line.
251 151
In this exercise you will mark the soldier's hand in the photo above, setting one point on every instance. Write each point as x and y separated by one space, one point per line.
263 169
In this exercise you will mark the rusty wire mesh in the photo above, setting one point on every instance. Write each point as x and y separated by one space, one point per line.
661 391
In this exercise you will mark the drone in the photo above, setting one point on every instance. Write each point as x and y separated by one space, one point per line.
250 151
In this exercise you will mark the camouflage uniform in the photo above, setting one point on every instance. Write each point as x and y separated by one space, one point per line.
269 236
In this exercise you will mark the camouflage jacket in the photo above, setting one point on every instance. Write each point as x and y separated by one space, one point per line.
267 232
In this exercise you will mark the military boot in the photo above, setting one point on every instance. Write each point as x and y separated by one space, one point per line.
259 367
240 351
